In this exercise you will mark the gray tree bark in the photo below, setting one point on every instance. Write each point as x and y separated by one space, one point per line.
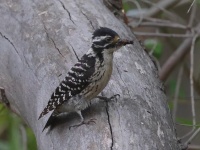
41 40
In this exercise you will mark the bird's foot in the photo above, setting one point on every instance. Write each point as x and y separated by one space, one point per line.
114 97
92 120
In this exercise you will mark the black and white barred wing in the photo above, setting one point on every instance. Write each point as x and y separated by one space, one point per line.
76 81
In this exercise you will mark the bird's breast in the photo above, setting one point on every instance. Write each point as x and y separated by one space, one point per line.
99 80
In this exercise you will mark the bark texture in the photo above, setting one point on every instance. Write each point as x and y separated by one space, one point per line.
41 40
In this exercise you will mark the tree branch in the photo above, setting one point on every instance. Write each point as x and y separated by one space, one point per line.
138 120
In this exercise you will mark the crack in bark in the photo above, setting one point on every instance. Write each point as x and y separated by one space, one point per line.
56 46
51 39
4 98
70 17
110 126
26 62
74 52
15 48
88 19
9 42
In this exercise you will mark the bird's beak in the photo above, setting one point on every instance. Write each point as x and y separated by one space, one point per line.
124 42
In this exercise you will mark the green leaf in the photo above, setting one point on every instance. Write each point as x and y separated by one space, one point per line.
184 121
10 133
127 6
171 105
32 145
14 133
154 45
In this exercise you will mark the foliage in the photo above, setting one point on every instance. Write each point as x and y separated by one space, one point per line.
14 133
154 45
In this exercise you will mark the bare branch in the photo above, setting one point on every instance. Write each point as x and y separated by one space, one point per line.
178 84
191 80
140 16
160 6
176 57
192 88
193 14
157 24
193 136
163 35
190 6
194 147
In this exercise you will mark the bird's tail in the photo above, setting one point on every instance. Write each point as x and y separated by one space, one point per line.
51 122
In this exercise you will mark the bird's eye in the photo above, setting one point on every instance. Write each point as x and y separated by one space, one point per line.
108 39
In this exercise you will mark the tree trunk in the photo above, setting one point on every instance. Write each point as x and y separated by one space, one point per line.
41 40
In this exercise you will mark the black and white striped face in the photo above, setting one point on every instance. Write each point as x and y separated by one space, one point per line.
107 39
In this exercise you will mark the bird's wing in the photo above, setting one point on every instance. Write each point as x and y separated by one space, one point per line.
76 80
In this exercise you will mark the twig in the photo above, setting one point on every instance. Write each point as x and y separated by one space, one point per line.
190 6
187 134
153 48
180 73
140 16
154 59
158 21
196 82
192 16
197 147
187 125
186 97
193 136
160 6
159 24
191 80
164 35
176 57
191 87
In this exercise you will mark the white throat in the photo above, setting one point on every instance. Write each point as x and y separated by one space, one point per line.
108 57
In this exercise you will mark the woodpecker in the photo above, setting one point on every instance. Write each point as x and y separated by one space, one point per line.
88 77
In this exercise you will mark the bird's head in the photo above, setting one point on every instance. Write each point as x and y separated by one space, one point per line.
105 39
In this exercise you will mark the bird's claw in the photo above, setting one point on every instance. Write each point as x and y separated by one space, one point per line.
116 96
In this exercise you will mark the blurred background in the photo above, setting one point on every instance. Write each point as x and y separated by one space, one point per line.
169 31
14 133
